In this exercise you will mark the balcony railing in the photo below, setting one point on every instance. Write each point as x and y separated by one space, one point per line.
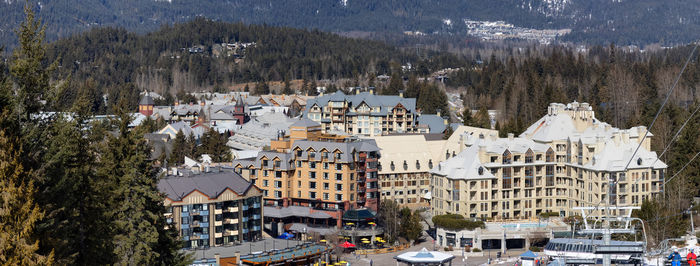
228 232
256 216
230 221
231 209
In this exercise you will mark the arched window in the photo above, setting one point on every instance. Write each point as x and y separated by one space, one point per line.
639 161
430 163
481 170
528 156
417 164
405 165
550 156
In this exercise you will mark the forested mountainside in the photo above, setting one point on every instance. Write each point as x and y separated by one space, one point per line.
624 22
190 56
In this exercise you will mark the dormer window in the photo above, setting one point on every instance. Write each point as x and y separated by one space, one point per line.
417 164
639 161
447 154
430 163
405 165
392 166
481 170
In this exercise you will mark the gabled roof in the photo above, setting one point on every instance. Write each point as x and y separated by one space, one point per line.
386 102
212 185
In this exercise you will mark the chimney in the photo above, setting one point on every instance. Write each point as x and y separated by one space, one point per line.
401 93
202 103
177 103
446 120
320 94
371 91
357 91
511 136
438 112
217 257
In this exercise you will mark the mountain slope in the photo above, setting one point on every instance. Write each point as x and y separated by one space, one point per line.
595 21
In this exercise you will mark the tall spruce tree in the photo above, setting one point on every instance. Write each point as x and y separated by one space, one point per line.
395 85
179 149
18 211
70 227
137 211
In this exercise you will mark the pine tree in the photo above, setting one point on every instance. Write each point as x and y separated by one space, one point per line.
467 119
18 211
482 118
412 87
395 85
179 149
69 166
287 87
137 211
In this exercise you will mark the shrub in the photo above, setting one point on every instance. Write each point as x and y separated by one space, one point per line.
467 248
456 222
476 250
446 249
549 214
535 249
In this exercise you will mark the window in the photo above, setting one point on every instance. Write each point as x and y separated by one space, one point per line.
312 185
339 197
339 177
337 155
278 194
299 184
326 186
299 164
312 195
265 172
312 154
278 164
325 176
352 187
278 174
325 155
339 187
312 165
278 184
265 183
312 175
352 176
338 167
299 153
325 165
299 193
265 163
326 196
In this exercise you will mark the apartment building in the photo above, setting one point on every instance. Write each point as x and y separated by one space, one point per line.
322 171
213 209
562 161
404 167
363 113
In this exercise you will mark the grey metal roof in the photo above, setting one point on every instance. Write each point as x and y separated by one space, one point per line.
305 122
434 122
387 102
146 100
346 148
211 184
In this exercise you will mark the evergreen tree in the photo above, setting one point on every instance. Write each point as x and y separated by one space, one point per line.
467 119
214 144
287 87
137 211
179 149
412 87
18 211
482 118
411 227
69 166
191 147
395 85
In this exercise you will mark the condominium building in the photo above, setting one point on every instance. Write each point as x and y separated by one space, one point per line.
363 113
564 160
212 209
309 168
404 172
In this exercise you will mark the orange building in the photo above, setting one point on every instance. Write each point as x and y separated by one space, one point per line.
308 168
